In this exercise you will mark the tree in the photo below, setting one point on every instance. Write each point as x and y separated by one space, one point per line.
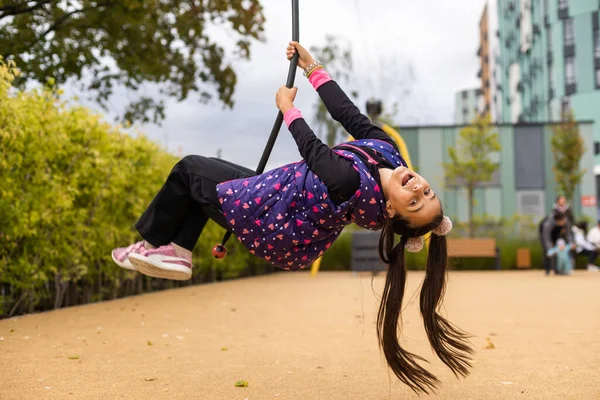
71 186
568 148
470 164
338 59
108 43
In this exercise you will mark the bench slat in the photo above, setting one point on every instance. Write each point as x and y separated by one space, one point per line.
472 247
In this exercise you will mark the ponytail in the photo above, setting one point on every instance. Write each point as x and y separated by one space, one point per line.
400 361
448 342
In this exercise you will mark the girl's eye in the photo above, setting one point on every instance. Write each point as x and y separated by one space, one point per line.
427 192
414 202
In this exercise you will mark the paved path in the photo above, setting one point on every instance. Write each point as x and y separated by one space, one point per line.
294 337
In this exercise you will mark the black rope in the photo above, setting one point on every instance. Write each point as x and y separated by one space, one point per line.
279 120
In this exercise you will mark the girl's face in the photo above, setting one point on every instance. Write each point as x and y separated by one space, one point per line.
409 195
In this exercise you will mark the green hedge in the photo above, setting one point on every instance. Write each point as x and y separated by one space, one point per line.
71 189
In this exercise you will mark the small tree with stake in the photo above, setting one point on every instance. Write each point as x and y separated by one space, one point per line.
568 148
470 164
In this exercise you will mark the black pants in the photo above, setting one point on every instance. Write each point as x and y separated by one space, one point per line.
187 200
590 254
548 263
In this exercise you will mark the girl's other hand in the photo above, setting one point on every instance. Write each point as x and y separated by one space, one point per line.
304 57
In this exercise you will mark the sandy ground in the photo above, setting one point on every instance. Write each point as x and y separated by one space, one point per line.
294 337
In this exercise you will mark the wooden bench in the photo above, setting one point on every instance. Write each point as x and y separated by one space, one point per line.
474 247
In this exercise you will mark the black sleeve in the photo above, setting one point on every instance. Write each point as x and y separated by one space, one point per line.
343 110
333 170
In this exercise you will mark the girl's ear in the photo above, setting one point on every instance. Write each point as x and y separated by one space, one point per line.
390 210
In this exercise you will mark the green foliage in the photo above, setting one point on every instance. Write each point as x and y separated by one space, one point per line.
568 148
470 164
337 258
105 44
71 189
338 60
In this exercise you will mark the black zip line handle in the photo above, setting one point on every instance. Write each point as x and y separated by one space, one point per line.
219 251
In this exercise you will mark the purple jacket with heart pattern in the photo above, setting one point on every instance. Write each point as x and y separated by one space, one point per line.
285 215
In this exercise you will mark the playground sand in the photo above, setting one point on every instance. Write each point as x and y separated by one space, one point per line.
294 337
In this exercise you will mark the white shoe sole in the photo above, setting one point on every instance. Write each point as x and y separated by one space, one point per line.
159 269
125 265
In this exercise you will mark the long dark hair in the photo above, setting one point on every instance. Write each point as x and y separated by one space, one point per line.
449 343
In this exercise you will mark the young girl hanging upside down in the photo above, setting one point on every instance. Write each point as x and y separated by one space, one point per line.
291 215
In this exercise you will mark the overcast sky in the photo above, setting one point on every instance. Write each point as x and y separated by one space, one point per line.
438 40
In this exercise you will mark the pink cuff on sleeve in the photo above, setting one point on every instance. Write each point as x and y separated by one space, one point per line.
291 115
319 77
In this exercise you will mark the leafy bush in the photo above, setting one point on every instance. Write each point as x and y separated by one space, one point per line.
337 258
71 189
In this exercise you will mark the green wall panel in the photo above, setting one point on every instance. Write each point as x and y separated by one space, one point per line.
507 170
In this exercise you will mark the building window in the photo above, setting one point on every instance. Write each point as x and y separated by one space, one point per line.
570 70
563 4
565 105
549 34
598 78
568 34
597 43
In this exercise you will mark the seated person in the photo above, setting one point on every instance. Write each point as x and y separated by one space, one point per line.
584 247
593 235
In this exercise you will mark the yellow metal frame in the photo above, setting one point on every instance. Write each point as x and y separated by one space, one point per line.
314 269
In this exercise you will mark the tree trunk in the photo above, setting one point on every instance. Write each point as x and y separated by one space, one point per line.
59 296
471 222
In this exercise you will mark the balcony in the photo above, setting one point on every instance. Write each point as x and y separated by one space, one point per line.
569 50
563 9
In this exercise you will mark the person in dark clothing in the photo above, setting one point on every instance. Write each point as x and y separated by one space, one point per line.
291 215
550 231
561 205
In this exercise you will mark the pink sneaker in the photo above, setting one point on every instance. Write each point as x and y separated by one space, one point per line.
162 262
120 255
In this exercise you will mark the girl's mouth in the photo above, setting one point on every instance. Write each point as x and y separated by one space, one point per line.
408 178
